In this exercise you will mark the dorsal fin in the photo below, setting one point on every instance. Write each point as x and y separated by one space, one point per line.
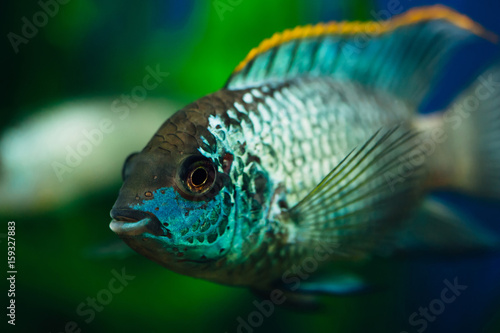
398 55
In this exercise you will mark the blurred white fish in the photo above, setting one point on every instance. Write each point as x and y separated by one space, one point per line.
72 148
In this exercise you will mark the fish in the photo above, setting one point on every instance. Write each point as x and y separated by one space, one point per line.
314 153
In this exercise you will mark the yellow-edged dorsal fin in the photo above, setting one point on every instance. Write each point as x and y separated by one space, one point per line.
372 28
401 56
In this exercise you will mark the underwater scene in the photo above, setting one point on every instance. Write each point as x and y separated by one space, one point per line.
340 177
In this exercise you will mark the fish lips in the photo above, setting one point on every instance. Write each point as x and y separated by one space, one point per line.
130 223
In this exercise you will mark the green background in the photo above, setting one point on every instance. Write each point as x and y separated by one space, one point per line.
93 49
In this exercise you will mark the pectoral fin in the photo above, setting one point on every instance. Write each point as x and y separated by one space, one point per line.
356 206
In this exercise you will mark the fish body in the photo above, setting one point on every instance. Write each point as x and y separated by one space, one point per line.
299 156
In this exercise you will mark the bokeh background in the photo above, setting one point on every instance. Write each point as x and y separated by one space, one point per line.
68 77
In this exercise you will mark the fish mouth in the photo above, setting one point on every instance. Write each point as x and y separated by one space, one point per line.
129 222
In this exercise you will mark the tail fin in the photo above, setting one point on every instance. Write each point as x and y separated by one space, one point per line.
468 158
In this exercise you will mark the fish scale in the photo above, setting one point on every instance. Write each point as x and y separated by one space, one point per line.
293 125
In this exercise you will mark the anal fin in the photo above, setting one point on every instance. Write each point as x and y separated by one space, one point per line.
439 229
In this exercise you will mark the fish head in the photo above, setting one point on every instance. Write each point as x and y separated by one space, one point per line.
176 204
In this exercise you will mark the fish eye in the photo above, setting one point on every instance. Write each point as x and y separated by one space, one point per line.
124 169
198 175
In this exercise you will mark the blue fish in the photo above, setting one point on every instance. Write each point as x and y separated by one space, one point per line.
314 153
